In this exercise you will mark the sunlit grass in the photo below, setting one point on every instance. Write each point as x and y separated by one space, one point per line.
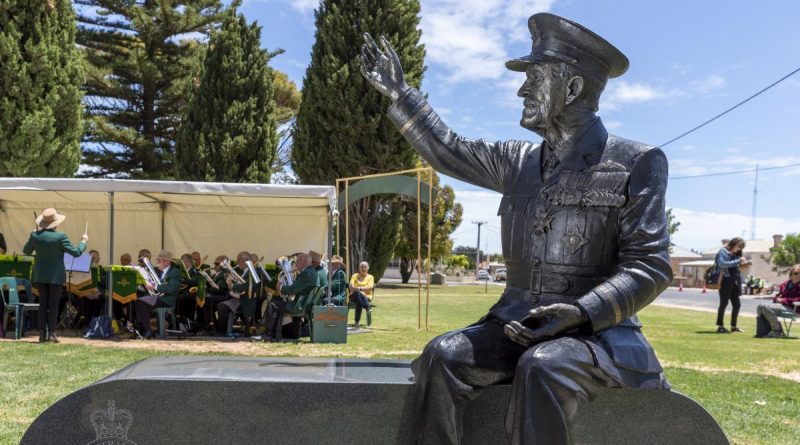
749 385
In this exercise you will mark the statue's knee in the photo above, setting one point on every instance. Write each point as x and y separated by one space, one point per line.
543 358
445 349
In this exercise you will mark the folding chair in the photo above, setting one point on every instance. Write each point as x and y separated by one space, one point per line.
788 317
13 303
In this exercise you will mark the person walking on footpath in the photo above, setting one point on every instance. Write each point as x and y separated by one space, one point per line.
729 259
49 273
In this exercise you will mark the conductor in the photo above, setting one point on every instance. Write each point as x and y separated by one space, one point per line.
48 269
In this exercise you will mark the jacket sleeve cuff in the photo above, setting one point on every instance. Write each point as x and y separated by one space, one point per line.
409 113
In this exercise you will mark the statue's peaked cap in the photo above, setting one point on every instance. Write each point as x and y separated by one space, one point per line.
557 39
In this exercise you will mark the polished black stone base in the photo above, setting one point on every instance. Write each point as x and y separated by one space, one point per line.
230 400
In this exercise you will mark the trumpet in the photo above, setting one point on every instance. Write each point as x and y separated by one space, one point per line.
226 266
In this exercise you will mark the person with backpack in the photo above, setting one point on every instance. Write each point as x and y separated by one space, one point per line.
727 262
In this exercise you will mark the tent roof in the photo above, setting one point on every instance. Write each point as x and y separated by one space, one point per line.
58 190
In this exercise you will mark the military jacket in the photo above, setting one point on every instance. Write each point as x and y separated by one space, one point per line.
594 234
50 246
170 284
305 281
322 273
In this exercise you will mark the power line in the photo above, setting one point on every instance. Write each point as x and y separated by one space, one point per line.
730 109
737 172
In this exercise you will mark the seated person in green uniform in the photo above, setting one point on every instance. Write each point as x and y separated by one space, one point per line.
214 296
167 293
188 291
92 305
316 263
339 282
307 279
260 289
240 294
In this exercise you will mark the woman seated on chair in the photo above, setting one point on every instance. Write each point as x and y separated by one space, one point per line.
361 286
788 293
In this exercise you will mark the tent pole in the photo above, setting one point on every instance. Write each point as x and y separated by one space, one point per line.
430 241
163 206
347 227
109 281
419 254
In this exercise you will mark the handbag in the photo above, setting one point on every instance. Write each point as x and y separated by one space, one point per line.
99 327
714 276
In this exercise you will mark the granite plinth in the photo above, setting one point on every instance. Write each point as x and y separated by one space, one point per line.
213 400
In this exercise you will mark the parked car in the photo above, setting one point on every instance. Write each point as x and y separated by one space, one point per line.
483 274
500 275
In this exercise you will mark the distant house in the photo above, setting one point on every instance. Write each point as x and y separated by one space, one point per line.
679 255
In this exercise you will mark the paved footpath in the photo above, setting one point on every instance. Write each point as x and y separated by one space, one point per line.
693 299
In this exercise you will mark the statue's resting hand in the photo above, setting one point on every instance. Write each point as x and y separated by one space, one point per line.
544 322
382 68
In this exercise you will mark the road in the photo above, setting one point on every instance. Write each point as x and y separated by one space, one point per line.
692 299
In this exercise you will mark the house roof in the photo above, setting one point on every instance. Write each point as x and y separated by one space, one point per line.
682 252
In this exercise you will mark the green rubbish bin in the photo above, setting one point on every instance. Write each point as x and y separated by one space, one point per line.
329 324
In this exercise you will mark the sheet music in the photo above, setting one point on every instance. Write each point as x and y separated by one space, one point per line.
81 263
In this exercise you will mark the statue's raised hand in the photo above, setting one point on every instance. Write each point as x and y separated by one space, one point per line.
382 67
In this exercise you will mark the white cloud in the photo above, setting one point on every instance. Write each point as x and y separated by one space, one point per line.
709 84
469 38
623 92
704 230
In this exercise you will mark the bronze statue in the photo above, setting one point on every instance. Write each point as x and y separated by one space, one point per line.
584 232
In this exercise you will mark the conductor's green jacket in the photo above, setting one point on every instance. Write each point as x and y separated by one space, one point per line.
50 246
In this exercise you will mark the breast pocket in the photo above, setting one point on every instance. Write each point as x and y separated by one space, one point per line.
580 237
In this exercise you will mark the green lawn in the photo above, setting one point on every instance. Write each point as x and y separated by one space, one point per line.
742 381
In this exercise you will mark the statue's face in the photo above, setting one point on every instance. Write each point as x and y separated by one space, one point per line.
543 94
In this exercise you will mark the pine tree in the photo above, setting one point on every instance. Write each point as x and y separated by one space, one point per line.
446 218
40 96
229 133
341 127
140 57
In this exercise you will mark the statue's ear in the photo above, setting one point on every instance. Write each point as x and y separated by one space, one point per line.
574 88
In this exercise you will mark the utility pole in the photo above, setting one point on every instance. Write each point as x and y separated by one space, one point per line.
478 246
753 213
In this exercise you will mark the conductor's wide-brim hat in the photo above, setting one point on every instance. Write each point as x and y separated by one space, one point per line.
49 219
556 39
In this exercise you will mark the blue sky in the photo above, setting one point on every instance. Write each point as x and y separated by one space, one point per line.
689 61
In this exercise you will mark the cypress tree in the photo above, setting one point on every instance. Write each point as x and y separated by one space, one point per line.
229 132
140 55
341 127
40 97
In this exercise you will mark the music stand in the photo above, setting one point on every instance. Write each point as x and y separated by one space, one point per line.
83 264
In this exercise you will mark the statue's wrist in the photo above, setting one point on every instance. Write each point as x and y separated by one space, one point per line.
401 92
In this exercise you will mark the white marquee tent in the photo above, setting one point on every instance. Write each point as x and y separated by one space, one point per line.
212 218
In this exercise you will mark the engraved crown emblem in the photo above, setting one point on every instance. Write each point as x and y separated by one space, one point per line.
111 422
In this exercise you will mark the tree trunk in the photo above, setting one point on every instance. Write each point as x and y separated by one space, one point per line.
407 266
